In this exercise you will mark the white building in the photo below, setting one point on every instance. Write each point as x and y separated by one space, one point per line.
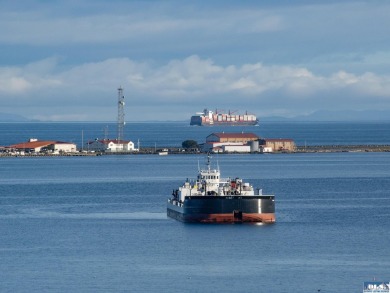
111 145
236 149
266 149
218 147
62 147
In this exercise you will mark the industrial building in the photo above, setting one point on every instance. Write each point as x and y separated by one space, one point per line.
277 144
240 137
36 146
245 143
229 142
111 145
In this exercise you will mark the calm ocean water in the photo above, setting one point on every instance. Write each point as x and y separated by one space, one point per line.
98 224
174 133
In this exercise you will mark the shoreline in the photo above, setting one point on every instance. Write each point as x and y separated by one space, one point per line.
177 150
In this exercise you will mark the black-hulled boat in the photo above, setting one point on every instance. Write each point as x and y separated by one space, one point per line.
211 198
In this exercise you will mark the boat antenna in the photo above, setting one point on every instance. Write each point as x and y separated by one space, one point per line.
217 162
198 167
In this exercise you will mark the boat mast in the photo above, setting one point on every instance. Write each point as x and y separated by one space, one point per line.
208 162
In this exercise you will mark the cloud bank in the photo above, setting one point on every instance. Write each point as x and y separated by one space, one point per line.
192 82
65 60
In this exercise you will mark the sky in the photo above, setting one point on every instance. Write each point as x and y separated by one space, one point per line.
64 60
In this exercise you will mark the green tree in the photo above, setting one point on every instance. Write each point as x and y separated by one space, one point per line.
189 144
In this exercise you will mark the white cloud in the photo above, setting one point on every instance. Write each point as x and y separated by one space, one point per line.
343 78
14 85
27 79
376 86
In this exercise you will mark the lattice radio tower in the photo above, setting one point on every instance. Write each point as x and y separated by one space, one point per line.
121 114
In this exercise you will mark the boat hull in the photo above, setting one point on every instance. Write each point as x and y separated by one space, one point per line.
223 209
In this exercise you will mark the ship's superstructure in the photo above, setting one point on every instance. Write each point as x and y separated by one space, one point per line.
210 198
210 118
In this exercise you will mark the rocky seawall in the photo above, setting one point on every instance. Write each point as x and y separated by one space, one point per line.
342 148
177 150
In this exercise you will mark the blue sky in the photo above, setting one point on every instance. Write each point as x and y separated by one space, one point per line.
64 60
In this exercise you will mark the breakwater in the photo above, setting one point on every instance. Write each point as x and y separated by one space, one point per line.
342 148
177 150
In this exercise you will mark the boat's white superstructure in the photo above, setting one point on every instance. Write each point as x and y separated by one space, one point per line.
210 183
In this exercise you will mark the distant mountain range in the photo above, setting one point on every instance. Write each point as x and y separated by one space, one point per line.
336 115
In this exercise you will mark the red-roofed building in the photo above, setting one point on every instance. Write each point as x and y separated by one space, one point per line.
240 137
35 146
